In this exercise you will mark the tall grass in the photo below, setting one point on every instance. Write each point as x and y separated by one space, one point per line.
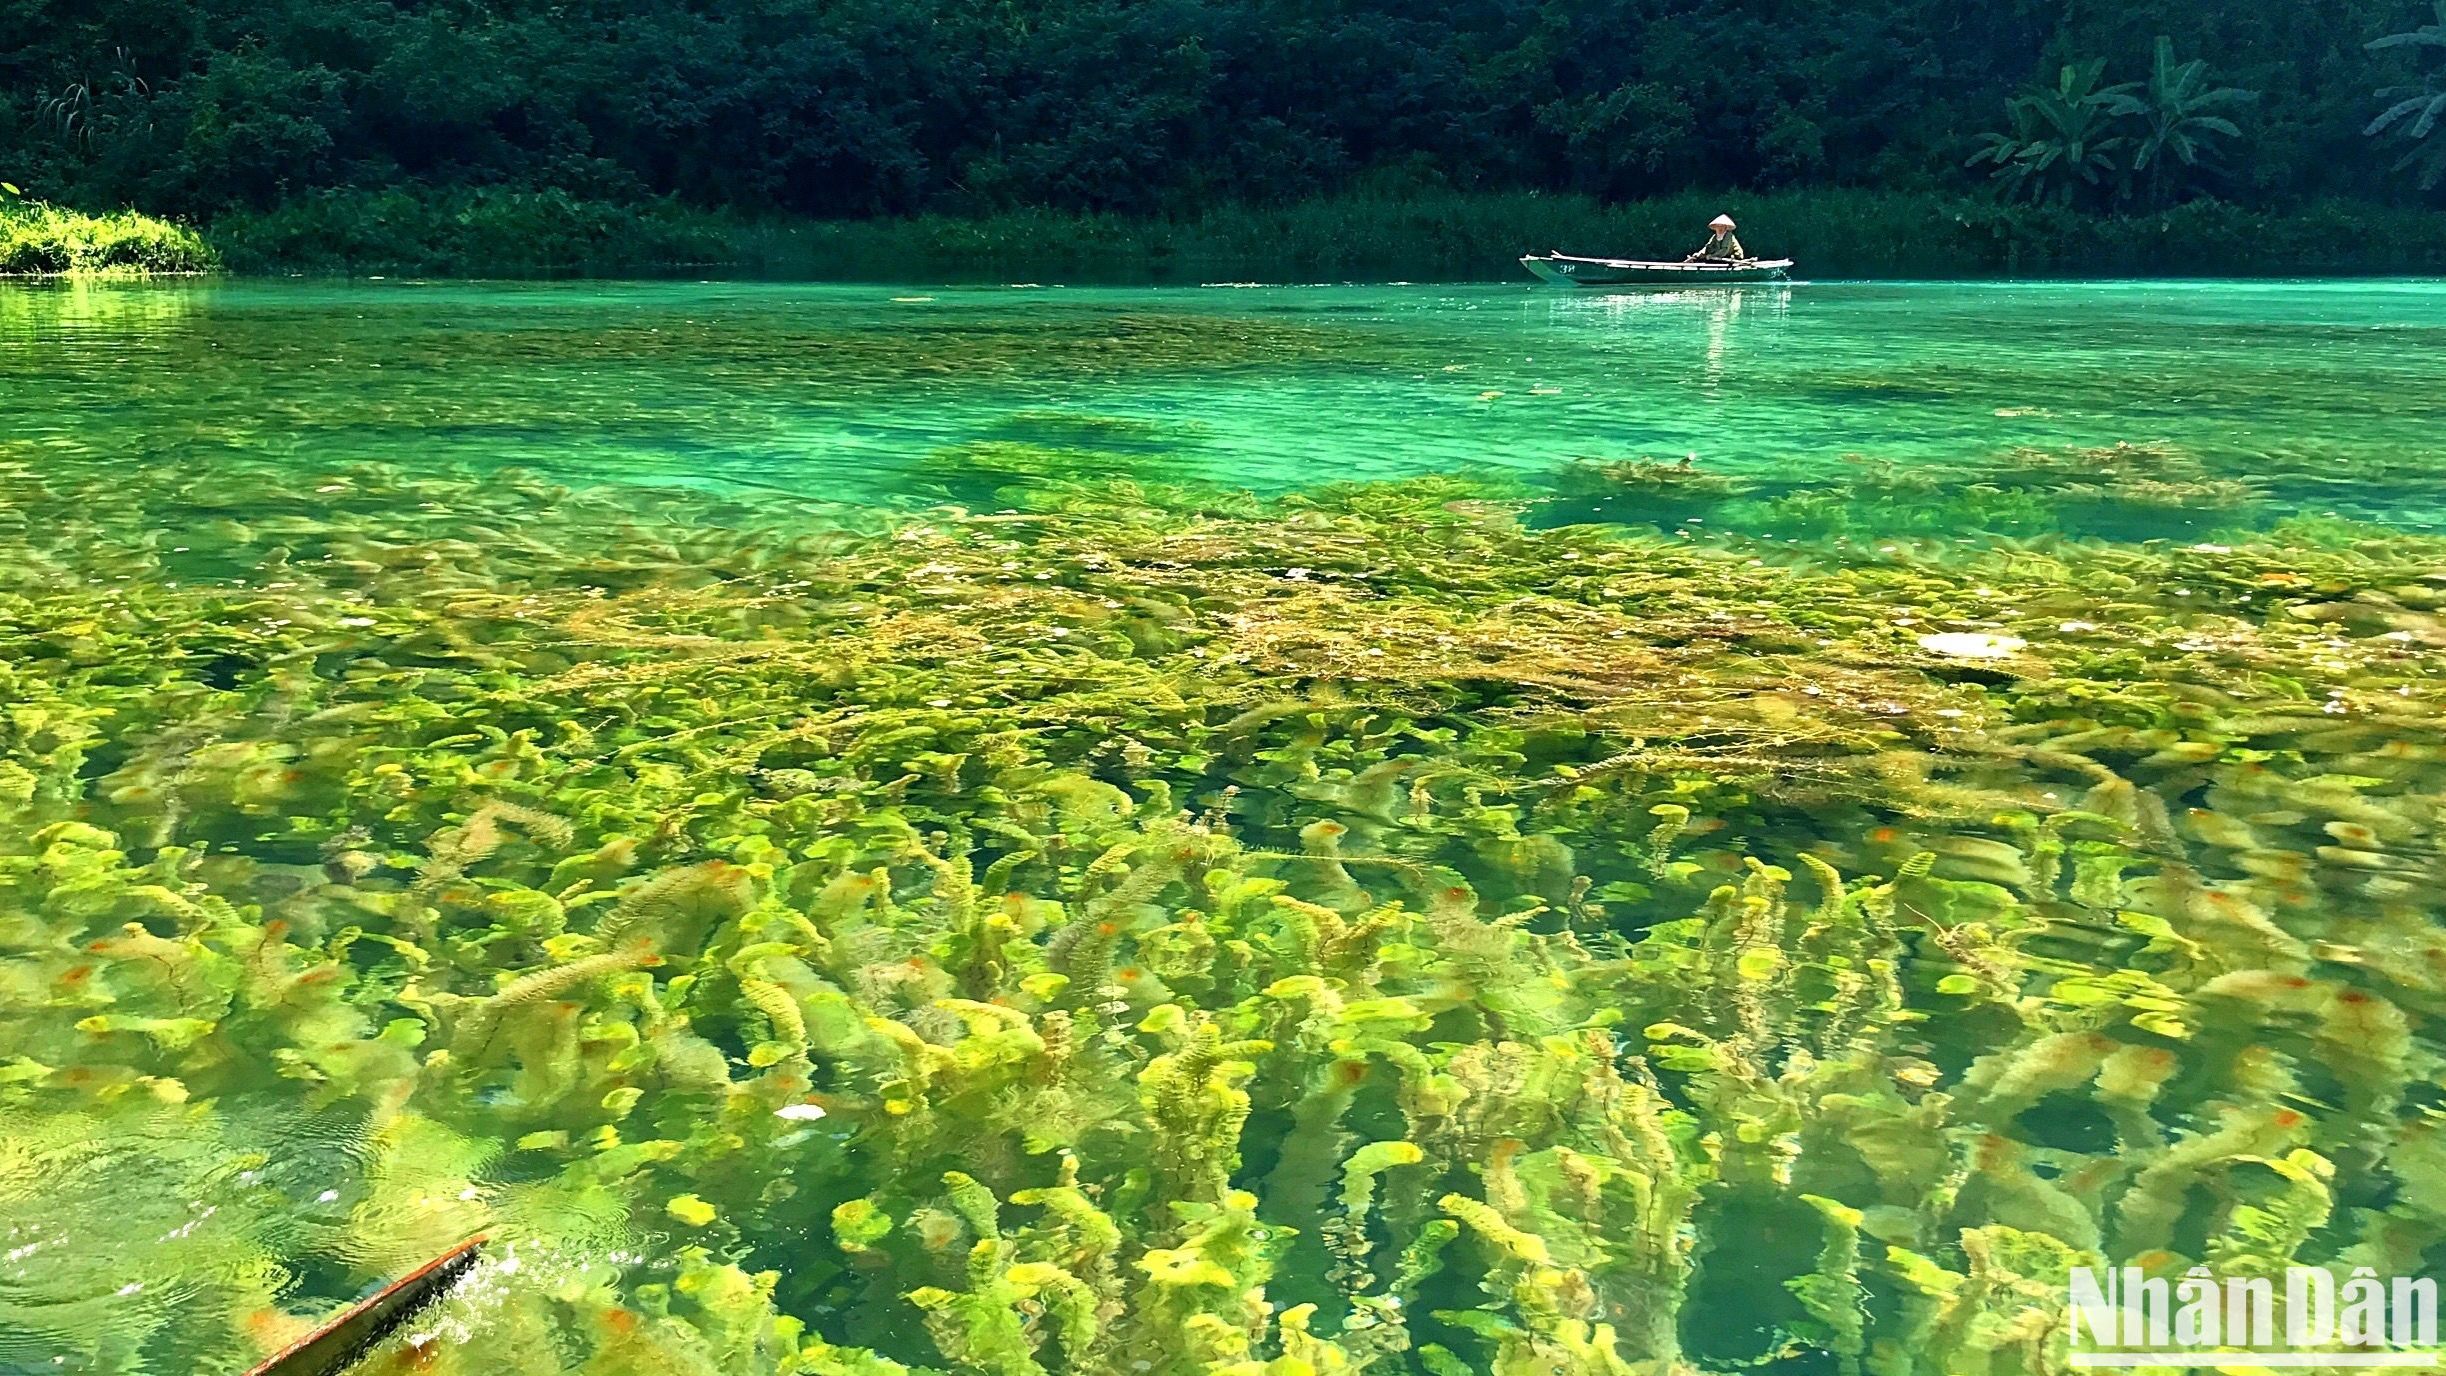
1434 236
1479 236
492 232
41 240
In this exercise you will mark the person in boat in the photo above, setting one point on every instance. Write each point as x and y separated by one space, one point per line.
1721 246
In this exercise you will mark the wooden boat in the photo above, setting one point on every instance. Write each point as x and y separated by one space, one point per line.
1634 272
349 1335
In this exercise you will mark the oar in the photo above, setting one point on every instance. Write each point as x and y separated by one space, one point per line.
348 1337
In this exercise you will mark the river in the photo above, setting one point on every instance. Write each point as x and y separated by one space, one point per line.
1404 829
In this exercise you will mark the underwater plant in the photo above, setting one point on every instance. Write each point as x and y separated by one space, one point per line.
1356 931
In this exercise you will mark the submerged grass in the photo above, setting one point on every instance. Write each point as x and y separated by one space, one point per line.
1158 930
41 240
2124 491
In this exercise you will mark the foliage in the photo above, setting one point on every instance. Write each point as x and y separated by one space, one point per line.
2065 138
2418 109
1153 930
1420 236
795 108
2176 116
44 241
485 232
2082 141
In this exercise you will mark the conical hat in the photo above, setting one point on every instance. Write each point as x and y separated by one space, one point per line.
1721 222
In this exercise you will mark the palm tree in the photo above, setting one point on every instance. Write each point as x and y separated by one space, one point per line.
2417 110
2175 119
2063 136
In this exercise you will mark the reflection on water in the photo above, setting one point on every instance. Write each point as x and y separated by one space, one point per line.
1715 316
1393 831
48 312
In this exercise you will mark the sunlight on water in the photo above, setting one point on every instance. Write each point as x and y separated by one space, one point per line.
867 394
1407 830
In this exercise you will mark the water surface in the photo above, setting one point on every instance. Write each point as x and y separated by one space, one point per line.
855 393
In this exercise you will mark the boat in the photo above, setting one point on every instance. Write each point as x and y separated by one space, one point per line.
349 1336
1634 272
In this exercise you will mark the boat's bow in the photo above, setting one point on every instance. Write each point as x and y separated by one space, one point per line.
1547 266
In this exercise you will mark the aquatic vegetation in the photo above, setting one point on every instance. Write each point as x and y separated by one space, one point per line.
1117 434
1684 478
1349 932
1019 473
2123 491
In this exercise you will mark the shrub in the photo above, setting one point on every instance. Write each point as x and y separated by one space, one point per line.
37 239
472 233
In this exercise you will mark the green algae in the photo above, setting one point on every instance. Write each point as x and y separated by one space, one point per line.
1148 931
2124 492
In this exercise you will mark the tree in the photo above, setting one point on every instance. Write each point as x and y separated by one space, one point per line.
2064 138
2176 123
2004 148
1169 107
2417 110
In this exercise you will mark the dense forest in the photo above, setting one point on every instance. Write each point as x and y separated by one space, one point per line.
346 113
1238 135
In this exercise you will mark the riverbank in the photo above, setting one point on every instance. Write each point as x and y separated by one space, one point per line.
1425 237
41 240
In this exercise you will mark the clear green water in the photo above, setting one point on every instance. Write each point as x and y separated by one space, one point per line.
851 393
1227 831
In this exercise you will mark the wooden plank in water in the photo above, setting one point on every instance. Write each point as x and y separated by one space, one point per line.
340 1343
